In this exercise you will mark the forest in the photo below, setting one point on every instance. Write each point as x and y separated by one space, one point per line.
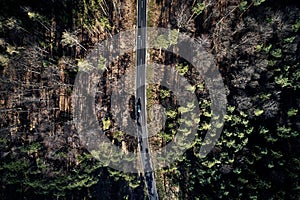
256 48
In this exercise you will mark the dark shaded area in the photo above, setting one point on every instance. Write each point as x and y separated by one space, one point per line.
256 49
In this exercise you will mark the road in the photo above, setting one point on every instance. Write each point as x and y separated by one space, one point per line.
140 86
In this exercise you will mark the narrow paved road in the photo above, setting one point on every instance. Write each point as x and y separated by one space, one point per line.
141 100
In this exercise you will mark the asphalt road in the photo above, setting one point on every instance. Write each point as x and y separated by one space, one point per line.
141 94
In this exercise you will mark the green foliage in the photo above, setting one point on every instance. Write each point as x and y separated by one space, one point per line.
85 65
101 63
296 26
243 5
259 47
277 53
230 108
174 36
258 2
150 96
210 164
104 23
283 81
183 109
264 96
292 112
31 148
205 126
286 132
182 70
70 39
161 42
199 8
268 48
288 76
164 93
290 39
16 166
248 145
34 15
131 179
171 114
272 62
11 50
81 183
3 60
151 10
258 112
200 86
190 88
165 136
106 123
119 135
